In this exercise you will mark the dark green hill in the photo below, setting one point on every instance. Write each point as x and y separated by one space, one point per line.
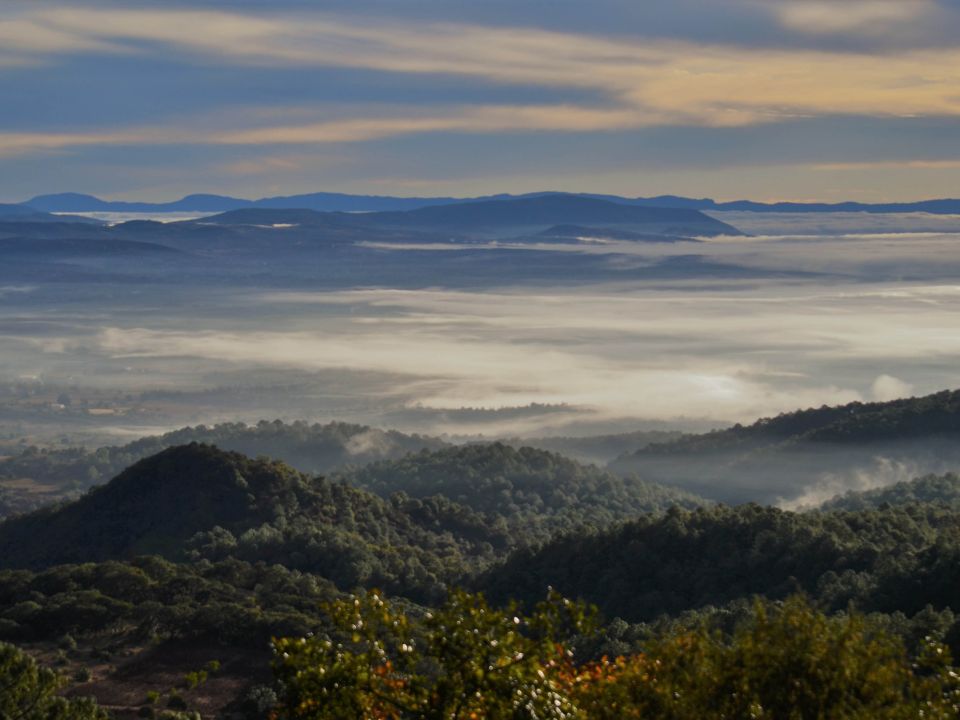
197 501
534 489
935 489
154 507
896 559
791 455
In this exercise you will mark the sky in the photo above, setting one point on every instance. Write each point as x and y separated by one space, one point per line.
760 99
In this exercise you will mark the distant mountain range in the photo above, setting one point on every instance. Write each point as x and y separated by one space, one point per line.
328 202
514 216
497 218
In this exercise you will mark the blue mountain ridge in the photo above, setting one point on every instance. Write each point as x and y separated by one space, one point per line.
331 201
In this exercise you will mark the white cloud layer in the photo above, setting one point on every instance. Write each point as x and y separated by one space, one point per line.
641 349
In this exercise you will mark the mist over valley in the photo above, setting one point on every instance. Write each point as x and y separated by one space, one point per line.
465 361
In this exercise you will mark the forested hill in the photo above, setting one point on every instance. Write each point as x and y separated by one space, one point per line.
197 501
931 415
935 489
884 560
540 490
310 448
785 457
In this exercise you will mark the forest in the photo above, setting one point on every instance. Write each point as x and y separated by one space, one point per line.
480 360
161 592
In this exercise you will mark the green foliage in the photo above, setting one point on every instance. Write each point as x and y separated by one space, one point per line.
936 489
196 502
194 679
534 492
258 701
462 660
930 415
467 660
178 715
779 457
895 559
28 692
155 599
785 662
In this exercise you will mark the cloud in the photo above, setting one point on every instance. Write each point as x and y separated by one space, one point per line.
942 164
640 83
622 351
859 17
264 165
33 36
660 349
887 387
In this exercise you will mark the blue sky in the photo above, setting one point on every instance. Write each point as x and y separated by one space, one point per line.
767 99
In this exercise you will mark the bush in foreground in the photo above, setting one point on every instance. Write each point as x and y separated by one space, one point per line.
28 691
467 660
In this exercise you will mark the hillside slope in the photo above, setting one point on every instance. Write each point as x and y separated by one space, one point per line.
931 489
886 560
539 491
810 455
196 501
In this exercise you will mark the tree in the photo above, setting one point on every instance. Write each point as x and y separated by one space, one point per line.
28 692
465 660
786 663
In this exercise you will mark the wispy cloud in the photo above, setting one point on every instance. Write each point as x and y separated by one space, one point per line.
859 17
942 164
644 83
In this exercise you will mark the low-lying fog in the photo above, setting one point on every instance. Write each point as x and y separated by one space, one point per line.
846 307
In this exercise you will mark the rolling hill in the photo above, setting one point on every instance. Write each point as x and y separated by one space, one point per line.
496 216
540 491
542 212
810 455
196 501
886 560
436 515
935 489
